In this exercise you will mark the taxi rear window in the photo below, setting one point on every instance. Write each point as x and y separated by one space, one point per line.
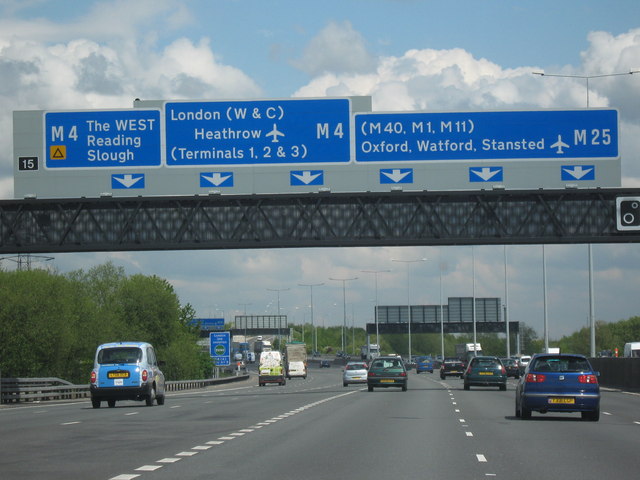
120 355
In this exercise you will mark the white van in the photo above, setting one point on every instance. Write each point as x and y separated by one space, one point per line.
632 350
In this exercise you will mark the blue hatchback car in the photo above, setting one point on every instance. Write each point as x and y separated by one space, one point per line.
559 383
424 364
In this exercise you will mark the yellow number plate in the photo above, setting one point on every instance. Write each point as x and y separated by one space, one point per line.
565 401
486 373
118 375
386 380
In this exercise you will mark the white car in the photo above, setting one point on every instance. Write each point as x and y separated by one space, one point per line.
354 372
524 361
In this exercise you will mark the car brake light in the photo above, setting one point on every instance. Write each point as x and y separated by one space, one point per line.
145 375
94 377
371 374
403 374
587 379
535 378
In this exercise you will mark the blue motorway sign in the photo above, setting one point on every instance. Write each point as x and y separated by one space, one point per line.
306 177
216 179
208 323
111 138
127 181
486 174
220 348
550 134
396 175
261 132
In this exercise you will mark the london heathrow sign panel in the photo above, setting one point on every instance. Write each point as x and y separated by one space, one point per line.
306 145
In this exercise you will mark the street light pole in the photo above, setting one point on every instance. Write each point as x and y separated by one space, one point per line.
278 290
409 262
592 322
313 328
344 304
376 272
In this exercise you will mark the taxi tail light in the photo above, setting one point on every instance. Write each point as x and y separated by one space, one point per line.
145 375
536 378
403 374
587 379
94 377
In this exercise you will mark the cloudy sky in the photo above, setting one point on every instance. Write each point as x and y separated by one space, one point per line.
407 55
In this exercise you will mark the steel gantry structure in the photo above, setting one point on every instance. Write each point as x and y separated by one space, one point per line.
312 220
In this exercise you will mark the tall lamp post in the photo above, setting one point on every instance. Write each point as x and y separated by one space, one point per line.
375 273
313 328
278 290
344 304
586 78
409 262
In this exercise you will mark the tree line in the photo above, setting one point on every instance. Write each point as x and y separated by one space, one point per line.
51 324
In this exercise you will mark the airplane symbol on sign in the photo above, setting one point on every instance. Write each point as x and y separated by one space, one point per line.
275 133
559 145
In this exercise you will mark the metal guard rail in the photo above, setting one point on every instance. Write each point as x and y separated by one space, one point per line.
17 390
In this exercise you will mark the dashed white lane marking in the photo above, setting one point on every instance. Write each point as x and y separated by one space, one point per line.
226 438
148 468
169 460
132 413
607 413
461 420
186 454
201 447
237 434
469 434
176 406
215 442
480 457
70 423
637 423
124 477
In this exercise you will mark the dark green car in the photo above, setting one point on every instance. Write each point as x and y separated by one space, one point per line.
387 372
485 372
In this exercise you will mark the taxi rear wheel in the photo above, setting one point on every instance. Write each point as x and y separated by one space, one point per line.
151 397
95 403
111 403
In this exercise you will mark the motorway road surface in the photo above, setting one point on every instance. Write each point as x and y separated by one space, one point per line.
318 429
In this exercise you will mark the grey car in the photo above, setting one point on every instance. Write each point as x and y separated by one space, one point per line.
354 372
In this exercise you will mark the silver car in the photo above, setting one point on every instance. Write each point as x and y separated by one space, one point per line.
354 372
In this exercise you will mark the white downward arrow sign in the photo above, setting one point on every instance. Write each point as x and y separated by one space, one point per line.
578 172
396 174
486 173
307 177
216 179
128 180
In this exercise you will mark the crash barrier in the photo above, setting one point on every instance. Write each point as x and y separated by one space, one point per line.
17 390
623 373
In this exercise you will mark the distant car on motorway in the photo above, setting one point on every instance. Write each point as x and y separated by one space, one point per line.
524 361
559 383
512 366
126 371
354 372
451 366
325 363
424 364
387 372
485 371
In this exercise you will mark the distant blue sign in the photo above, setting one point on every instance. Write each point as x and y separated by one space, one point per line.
261 132
209 323
112 138
486 174
396 175
306 177
576 173
127 180
220 348
216 179
551 134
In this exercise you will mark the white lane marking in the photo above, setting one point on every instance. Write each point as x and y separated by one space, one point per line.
480 457
461 420
201 447
124 477
457 410
637 423
186 454
176 406
70 423
469 434
237 434
215 442
607 413
226 438
246 430
148 468
132 413
169 460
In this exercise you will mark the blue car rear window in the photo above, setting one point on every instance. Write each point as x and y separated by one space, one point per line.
120 355
565 365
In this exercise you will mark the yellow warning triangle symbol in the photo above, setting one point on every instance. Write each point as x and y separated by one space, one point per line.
58 152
